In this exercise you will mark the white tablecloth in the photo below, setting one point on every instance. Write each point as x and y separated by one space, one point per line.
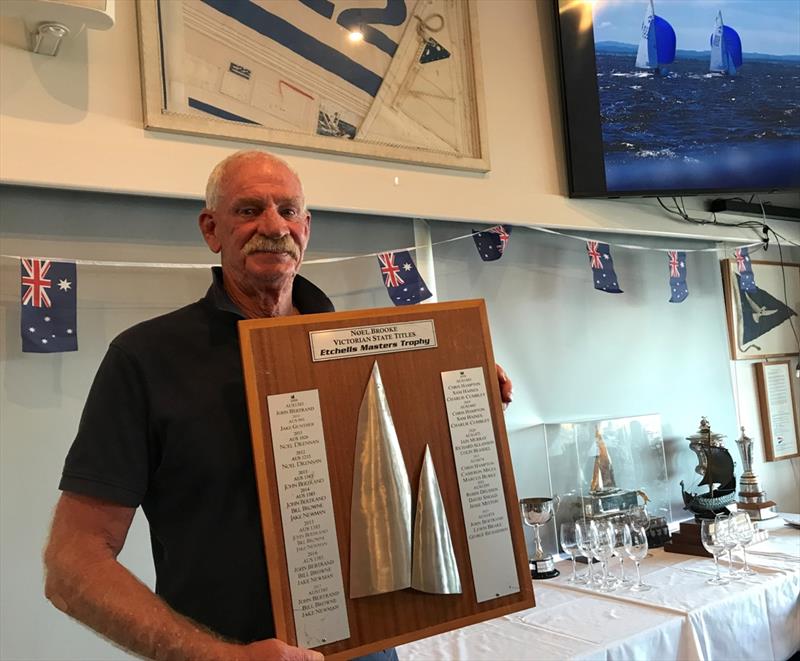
681 618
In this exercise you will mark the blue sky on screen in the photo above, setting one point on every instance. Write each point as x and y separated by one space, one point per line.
765 26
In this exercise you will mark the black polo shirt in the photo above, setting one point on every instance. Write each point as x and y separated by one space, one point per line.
165 427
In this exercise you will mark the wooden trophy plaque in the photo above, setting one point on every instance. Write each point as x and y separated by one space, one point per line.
306 377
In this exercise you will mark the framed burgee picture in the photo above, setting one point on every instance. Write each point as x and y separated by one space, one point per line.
388 501
762 308
778 407
398 80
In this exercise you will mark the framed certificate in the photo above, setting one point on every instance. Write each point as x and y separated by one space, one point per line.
778 406
388 500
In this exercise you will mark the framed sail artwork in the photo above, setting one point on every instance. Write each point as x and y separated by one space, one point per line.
396 80
762 308
388 502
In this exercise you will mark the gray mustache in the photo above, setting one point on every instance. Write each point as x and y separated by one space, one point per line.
260 243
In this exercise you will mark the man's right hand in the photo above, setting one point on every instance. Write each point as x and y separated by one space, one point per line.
276 650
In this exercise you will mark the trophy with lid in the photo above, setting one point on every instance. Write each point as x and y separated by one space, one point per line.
751 498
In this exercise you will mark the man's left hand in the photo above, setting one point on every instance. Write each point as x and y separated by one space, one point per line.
506 394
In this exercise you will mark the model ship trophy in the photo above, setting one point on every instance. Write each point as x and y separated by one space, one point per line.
535 513
716 467
751 498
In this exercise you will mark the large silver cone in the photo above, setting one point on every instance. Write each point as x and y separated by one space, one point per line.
380 515
434 567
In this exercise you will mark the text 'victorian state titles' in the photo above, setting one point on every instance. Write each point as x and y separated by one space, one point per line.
365 340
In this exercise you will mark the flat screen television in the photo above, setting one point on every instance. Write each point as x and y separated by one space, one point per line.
680 97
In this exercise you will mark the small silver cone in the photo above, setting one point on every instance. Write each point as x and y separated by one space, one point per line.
380 514
434 567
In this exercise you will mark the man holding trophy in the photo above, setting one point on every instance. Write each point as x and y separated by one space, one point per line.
165 427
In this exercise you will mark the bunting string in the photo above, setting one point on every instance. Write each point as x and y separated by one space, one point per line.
48 317
333 260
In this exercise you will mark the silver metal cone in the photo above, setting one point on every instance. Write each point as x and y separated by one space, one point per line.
434 566
380 514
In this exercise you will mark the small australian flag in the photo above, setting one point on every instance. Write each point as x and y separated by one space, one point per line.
602 267
491 243
677 276
747 281
402 279
48 306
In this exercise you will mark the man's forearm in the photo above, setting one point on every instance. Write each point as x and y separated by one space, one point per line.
105 596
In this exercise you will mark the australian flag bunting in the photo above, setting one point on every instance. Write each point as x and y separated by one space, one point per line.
491 243
602 267
49 306
677 276
402 279
747 281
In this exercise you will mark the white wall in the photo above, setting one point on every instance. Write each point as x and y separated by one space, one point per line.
75 121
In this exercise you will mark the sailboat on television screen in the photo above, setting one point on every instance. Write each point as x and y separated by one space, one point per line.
726 49
657 43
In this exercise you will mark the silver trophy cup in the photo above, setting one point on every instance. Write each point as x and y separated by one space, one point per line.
535 513
752 499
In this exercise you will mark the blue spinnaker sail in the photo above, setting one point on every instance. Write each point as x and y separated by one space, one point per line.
734 45
657 43
665 41
726 48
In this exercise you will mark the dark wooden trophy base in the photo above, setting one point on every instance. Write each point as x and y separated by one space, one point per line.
687 540
544 568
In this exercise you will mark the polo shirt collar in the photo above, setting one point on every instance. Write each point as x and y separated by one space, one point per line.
306 297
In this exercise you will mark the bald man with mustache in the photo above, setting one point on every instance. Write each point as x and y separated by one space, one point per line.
165 428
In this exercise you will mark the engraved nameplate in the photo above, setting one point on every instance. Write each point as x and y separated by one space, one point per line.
309 530
366 340
491 553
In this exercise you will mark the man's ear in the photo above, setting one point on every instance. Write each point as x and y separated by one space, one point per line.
208 228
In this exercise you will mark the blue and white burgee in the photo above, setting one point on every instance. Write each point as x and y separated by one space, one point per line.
677 276
602 267
48 315
760 312
491 243
747 280
433 52
402 279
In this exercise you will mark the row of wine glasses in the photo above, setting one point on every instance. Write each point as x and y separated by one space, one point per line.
602 540
723 534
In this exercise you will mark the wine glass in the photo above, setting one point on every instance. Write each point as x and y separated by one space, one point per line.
744 531
582 540
601 540
635 543
712 543
569 543
725 532
639 516
619 548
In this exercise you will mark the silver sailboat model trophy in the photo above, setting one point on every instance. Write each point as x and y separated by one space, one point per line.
380 513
